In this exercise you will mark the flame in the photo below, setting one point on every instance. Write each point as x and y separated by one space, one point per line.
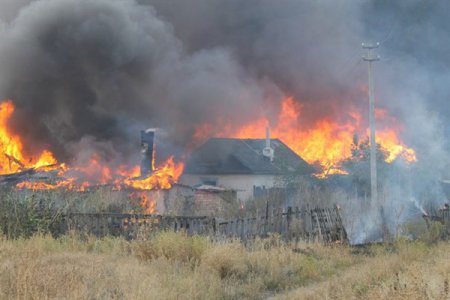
12 156
389 141
327 143
161 178
39 185
83 176
146 201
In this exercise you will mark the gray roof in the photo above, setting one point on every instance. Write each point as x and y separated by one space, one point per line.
244 156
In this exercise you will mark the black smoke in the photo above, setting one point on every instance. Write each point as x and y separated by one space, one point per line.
101 70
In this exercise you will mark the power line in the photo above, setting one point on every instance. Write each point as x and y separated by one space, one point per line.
389 35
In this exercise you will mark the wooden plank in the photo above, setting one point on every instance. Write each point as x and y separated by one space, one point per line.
316 218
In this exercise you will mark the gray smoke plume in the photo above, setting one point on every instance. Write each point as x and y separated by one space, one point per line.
311 50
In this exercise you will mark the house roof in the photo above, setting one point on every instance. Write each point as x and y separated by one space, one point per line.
244 156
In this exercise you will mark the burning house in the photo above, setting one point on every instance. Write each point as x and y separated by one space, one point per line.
248 166
83 76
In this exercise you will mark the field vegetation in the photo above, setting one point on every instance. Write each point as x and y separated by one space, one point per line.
174 266
36 263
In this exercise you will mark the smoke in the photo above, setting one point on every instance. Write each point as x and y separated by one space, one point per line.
104 69
312 51
302 48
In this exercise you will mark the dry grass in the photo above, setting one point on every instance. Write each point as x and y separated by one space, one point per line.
174 266
410 270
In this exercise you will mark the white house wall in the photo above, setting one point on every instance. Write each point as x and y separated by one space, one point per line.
243 184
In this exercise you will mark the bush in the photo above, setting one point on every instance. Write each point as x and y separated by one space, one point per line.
227 260
429 233
23 215
24 212
172 246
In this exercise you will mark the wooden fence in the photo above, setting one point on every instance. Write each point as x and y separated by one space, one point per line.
441 215
322 224
130 225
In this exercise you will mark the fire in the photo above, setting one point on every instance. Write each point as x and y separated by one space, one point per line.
146 201
162 178
82 178
39 185
91 173
327 143
389 141
12 156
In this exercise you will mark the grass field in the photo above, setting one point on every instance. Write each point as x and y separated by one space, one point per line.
174 266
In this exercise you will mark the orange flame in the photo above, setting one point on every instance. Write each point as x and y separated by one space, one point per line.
162 178
389 141
12 157
82 176
327 143
146 201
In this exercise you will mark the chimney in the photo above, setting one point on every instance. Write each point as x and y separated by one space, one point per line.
268 151
147 151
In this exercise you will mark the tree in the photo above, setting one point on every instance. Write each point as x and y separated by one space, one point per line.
358 164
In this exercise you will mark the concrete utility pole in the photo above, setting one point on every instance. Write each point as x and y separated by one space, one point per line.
370 58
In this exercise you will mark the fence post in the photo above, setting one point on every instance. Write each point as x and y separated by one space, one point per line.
242 233
214 228
316 217
288 223
266 223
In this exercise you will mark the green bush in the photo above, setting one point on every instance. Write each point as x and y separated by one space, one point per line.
23 215
430 232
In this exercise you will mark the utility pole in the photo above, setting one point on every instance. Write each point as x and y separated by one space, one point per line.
370 58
